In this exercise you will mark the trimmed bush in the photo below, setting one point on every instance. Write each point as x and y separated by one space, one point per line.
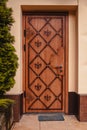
8 57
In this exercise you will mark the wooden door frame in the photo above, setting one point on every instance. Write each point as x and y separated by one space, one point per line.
66 58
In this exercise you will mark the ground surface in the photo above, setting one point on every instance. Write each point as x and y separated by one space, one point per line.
30 122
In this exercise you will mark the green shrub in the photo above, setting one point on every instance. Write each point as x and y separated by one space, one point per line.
8 57
5 103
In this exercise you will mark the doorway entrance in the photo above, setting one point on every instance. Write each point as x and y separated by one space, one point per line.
45 59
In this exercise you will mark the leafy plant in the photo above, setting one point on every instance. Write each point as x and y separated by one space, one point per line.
8 57
5 102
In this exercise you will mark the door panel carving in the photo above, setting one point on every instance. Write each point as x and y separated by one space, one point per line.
45 62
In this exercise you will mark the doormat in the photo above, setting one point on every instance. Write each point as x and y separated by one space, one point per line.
51 117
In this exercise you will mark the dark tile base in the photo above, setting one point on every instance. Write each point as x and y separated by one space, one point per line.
82 105
78 106
18 106
73 103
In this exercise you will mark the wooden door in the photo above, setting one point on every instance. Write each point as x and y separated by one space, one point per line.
45 63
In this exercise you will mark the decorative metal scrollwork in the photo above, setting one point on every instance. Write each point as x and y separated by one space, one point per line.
38 65
47 97
29 19
38 43
47 33
38 87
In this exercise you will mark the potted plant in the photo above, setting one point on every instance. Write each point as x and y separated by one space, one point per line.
8 57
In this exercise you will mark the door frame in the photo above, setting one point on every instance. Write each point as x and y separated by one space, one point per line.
66 57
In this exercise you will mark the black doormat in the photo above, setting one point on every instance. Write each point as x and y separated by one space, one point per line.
51 117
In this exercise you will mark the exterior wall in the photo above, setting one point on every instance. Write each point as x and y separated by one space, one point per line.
17 32
77 77
73 49
82 60
82 47
41 2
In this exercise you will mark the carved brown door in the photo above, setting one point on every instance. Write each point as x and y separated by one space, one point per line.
45 61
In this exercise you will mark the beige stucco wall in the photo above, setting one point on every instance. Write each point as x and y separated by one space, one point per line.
42 2
73 44
73 60
82 47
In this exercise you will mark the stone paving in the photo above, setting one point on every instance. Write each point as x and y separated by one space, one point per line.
30 122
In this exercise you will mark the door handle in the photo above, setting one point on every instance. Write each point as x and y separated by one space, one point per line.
59 67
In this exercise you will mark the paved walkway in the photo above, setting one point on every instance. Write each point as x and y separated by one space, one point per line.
30 122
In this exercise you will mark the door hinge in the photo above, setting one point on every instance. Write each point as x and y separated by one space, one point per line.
24 33
24 47
24 93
